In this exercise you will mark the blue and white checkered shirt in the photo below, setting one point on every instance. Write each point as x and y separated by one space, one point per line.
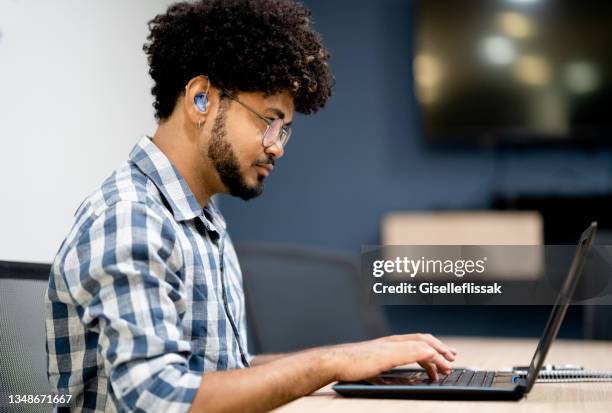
135 308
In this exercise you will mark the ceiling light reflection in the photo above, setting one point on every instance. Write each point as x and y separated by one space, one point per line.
532 70
581 77
498 50
515 24
427 74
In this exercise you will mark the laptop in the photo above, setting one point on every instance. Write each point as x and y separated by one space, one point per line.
466 384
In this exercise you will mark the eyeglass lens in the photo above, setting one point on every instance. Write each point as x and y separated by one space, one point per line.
274 133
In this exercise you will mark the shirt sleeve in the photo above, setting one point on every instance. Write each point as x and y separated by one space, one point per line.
123 276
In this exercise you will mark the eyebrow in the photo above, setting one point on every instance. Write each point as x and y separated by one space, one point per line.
279 113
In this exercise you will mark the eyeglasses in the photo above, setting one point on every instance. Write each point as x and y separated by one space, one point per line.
276 131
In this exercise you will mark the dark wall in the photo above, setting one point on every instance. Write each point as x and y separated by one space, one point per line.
364 155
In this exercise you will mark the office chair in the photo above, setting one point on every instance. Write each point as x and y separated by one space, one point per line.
298 298
23 362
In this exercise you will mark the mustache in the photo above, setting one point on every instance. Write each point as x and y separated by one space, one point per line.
270 161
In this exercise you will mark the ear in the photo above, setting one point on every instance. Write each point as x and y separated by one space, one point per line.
197 101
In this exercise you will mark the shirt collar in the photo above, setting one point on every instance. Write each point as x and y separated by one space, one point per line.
147 157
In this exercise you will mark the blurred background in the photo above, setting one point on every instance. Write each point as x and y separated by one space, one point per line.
450 106
441 108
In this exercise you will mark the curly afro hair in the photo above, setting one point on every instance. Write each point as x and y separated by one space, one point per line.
241 45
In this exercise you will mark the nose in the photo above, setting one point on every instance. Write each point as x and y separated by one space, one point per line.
275 150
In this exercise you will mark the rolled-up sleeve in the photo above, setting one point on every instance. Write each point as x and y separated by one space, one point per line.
124 277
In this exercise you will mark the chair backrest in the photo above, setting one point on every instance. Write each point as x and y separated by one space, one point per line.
23 362
300 297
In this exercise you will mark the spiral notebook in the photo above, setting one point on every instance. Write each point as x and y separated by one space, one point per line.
574 375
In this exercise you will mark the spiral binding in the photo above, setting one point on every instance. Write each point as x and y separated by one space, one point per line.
571 376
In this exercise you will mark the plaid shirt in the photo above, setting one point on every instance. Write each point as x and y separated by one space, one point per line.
135 309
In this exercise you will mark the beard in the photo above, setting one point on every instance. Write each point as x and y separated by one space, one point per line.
226 163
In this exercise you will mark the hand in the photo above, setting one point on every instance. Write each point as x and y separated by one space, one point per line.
358 361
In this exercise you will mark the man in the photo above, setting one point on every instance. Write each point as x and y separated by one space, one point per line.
145 303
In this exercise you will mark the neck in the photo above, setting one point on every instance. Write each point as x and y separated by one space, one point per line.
184 149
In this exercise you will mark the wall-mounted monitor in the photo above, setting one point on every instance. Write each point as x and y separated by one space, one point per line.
514 71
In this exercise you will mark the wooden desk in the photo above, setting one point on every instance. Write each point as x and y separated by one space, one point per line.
492 354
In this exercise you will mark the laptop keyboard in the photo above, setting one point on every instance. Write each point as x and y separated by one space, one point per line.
457 377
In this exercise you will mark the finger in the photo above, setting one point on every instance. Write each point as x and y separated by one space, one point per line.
452 349
424 352
438 345
406 352
431 369
440 362
441 347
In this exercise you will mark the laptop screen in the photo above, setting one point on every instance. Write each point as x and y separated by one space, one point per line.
560 307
